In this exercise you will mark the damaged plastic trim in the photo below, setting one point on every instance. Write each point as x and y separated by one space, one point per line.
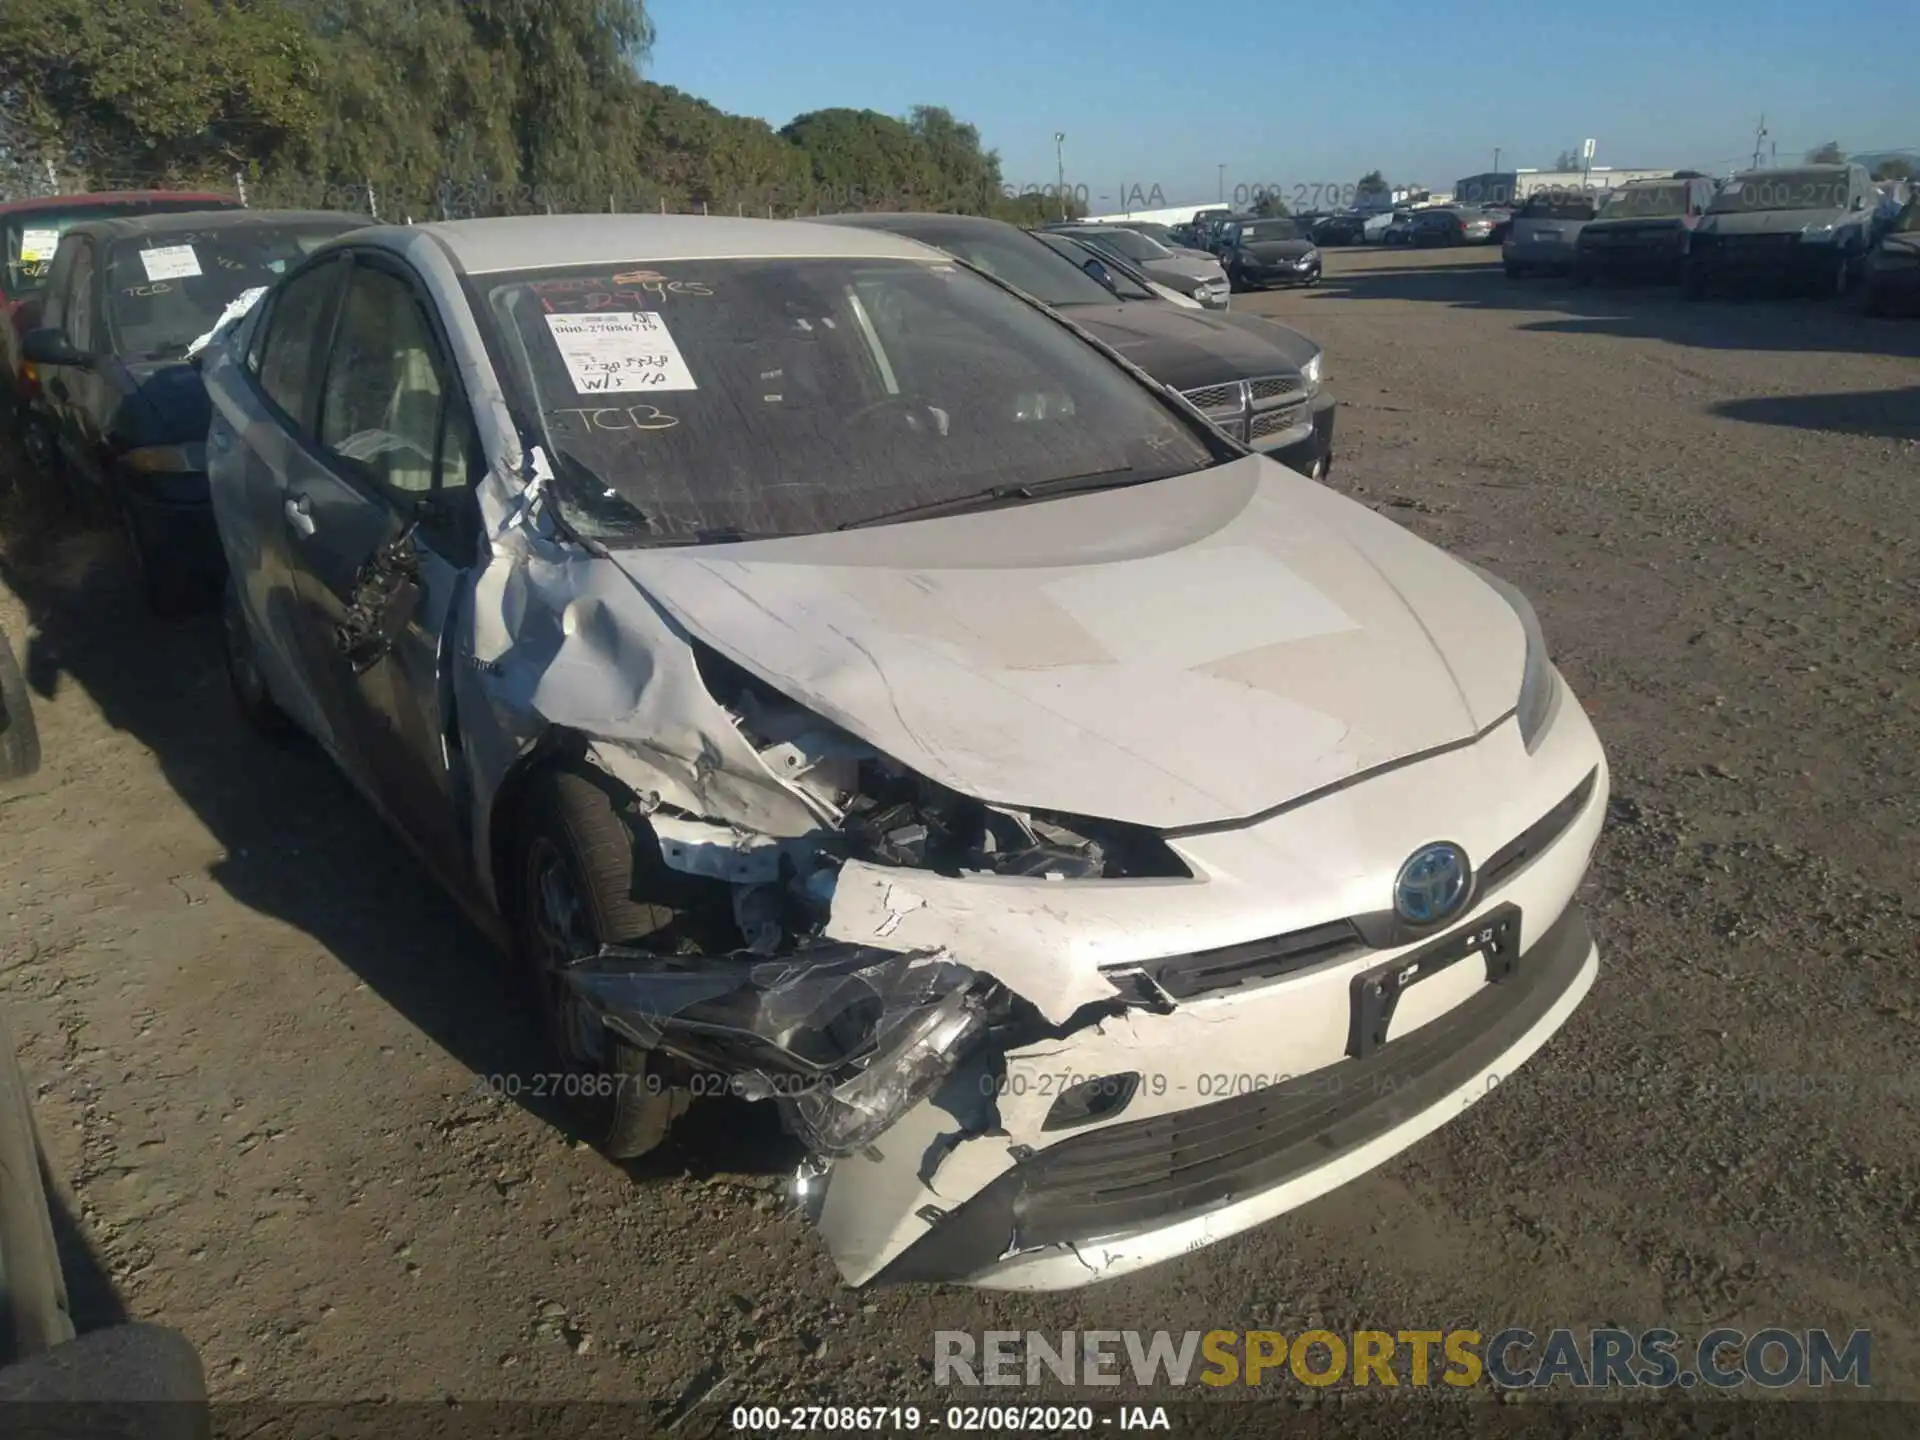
845 1038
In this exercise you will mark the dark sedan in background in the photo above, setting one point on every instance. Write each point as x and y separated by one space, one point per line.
124 407
1259 253
1340 229
1259 381
1641 230
30 230
1451 225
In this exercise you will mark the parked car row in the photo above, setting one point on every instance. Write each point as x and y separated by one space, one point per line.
795 642
1818 228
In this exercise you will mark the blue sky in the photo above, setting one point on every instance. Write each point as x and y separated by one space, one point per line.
1159 92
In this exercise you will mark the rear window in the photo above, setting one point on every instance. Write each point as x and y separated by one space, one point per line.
32 236
1646 202
1130 245
166 289
1261 231
1783 190
1557 207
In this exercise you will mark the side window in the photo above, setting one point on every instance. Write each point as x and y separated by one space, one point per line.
459 445
382 406
77 308
290 342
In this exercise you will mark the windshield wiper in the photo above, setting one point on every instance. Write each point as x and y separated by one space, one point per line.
1002 494
724 535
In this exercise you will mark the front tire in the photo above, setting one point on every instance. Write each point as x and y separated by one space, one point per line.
1841 280
580 876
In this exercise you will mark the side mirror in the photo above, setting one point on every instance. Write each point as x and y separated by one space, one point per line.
1097 268
48 346
1859 202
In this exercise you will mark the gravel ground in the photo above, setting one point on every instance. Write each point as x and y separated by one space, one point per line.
254 1025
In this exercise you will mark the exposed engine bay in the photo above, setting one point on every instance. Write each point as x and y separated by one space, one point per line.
844 1036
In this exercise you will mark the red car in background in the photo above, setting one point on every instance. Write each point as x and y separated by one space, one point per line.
30 232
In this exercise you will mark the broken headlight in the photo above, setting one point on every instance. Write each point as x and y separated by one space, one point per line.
1539 683
846 1038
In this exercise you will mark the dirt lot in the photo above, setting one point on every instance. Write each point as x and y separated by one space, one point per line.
255 1027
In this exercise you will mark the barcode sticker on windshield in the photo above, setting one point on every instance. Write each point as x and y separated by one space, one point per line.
38 245
619 352
170 262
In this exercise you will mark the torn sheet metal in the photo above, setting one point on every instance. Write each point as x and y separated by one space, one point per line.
1008 932
229 317
845 1038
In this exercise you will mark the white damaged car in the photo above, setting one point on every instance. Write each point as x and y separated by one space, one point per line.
837 677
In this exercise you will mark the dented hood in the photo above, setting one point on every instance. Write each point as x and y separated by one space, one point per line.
1173 654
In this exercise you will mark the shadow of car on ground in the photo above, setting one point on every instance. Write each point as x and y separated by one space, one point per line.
301 846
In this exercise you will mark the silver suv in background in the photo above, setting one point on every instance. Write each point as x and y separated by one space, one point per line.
1546 230
1804 226
1189 272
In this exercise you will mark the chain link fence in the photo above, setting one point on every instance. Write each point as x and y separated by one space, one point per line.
455 198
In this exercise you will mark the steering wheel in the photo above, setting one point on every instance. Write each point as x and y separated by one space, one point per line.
921 414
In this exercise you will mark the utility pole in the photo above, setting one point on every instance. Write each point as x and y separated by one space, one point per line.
1223 184
1496 159
1759 134
1060 169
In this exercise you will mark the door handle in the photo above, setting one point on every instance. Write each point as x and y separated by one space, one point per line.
299 511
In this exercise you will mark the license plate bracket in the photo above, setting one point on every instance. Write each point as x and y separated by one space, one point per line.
1494 937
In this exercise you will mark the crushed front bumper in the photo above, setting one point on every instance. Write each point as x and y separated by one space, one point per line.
1131 1194
1252 1096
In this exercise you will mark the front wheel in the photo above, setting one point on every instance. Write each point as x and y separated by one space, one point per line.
580 877
1841 277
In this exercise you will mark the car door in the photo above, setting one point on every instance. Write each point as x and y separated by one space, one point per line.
263 424
381 534
70 393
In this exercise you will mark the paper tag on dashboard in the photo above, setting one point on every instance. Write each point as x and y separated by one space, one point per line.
620 352
170 262
37 245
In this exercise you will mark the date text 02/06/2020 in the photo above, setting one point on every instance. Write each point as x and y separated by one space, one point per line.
953 1419
567 1084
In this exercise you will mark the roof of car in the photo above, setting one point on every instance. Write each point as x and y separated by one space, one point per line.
89 199
531 242
892 220
124 227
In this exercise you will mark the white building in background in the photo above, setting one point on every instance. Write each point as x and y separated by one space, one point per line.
1170 215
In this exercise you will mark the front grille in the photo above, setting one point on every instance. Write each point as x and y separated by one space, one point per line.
1183 977
1757 244
1139 1173
1537 837
1274 385
1215 397
1272 422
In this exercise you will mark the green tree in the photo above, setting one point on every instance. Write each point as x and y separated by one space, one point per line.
1270 206
863 160
158 88
1827 154
968 177
1893 168
1372 183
